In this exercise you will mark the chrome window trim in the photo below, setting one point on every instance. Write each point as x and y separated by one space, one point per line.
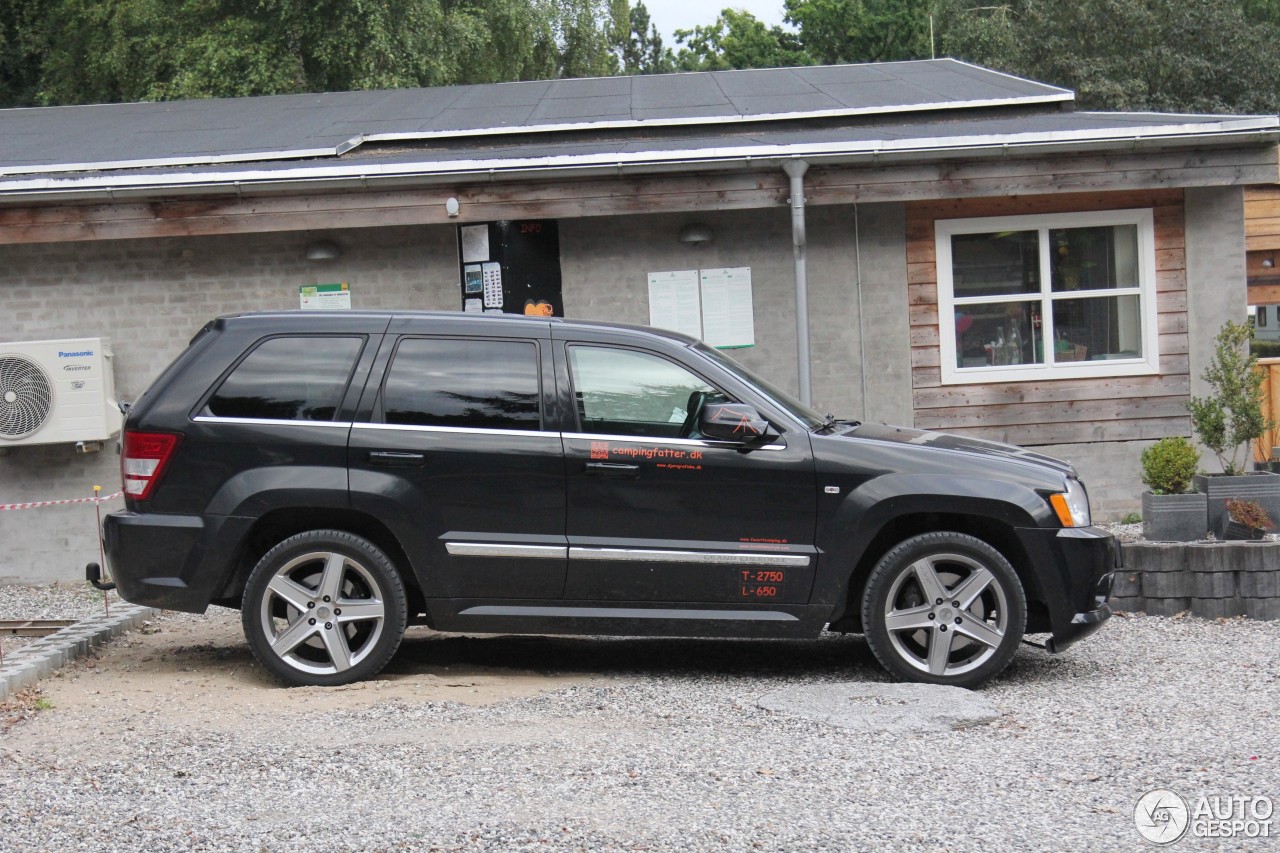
214 419
502 549
678 442
716 558
628 613
457 430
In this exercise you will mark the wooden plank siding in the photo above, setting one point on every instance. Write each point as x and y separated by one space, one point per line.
1057 411
1262 218
1262 243
1270 408
295 206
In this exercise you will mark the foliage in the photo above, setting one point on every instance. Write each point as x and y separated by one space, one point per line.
1131 518
92 51
1250 514
22 40
738 40
1175 55
642 51
1168 466
835 31
1232 415
1265 349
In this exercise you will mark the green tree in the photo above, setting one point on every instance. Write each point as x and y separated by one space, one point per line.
22 44
738 40
131 50
1174 55
1231 416
588 37
838 31
643 52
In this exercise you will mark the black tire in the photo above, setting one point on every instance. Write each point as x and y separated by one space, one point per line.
293 609
964 640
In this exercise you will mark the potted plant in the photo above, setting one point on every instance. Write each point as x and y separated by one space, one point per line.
1230 420
1171 512
1244 520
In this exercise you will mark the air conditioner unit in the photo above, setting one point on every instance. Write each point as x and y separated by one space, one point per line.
56 392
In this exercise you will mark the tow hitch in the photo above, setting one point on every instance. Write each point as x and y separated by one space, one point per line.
93 574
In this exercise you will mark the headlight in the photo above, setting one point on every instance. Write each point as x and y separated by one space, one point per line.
1072 506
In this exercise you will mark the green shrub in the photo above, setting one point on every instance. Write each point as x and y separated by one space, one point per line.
1231 416
1265 349
1168 465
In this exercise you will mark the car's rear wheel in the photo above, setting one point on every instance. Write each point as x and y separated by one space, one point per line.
944 608
324 608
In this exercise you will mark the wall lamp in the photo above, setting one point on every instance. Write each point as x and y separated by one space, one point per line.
324 250
696 233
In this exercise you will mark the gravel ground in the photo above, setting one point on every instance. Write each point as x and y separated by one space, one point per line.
175 740
52 601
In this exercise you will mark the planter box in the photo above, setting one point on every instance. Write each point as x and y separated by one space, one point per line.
1174 518
1259 486
1231 530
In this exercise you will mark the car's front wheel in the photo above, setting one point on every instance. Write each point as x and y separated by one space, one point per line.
324 608
944 608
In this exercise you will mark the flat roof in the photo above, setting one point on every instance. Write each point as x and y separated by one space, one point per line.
919 111
201 132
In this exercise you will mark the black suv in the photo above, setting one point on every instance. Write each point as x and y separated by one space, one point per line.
338 476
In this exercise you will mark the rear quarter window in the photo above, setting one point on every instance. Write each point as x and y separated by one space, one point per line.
290 378
455 382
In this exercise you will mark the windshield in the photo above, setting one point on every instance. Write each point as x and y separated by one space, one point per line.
811 418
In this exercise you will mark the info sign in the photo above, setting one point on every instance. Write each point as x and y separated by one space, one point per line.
325 297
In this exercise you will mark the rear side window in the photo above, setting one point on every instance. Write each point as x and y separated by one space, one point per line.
454 382
288 379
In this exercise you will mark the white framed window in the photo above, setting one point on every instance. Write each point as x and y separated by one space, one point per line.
1051 296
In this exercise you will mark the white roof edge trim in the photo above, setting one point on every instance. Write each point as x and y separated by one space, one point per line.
210 160
1009 76
1133 135
620 124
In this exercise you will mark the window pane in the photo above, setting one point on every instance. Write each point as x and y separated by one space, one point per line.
291 379
1097 329
1100 258
623 392
458 383
999 333
996 264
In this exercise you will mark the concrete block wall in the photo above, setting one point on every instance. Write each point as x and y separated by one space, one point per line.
1212 580
150 297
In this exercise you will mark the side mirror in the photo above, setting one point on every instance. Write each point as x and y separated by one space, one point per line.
735 422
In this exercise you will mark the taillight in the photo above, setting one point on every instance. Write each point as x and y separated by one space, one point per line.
145 456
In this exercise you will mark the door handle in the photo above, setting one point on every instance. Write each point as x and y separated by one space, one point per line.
390 458
613 469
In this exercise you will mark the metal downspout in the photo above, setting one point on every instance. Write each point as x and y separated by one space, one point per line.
795 170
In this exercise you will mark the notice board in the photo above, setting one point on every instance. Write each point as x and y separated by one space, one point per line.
713 305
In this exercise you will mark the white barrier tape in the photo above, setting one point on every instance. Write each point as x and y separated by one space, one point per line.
38 504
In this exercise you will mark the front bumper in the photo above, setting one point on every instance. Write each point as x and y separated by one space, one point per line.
1074 572
1087 622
